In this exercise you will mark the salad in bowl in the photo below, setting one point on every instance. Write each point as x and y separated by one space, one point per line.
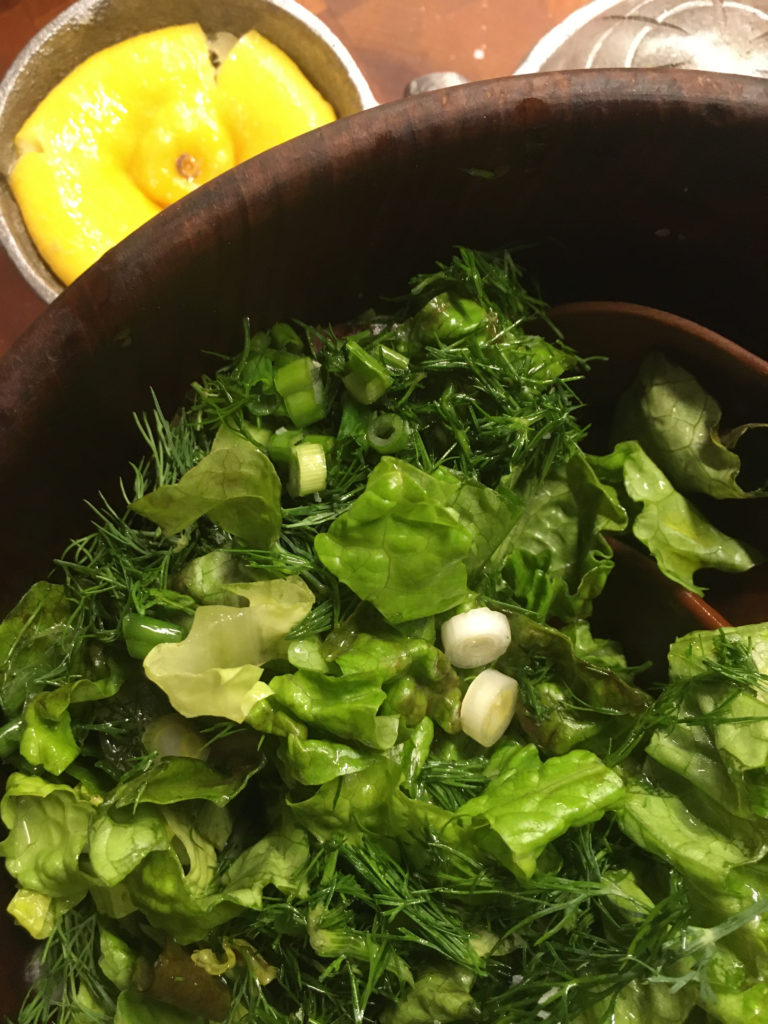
317 724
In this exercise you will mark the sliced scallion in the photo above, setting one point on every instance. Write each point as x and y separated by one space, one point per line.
488 706
388 433
299 385
475 638
307 469
368 378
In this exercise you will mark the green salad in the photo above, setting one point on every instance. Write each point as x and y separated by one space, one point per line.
313 728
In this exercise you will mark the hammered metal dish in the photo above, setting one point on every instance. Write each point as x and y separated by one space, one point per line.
727 36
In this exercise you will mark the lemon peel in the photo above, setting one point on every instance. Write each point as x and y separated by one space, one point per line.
141 124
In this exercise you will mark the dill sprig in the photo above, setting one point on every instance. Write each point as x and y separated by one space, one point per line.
69 984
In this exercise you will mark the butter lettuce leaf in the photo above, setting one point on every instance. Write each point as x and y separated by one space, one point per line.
217 668
48 826
235 485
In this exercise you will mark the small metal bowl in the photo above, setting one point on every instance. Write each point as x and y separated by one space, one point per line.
91 25
729 36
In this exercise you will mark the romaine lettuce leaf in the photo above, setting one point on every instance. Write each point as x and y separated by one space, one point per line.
678 424
528 803
345 705
678 536
372 801
560 560
313 762
599 681
401 545
418 677
661 823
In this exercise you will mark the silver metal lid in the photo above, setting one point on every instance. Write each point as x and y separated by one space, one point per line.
708 35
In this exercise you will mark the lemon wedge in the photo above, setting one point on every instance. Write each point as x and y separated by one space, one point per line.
141 124
264 97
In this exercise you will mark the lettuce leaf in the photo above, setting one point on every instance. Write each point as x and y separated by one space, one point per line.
662 824
170 780
235 485
401 545
528 803
678 536
36 638
345 705
314 762
678 424
443 996
48 827
560 560
216 669
47 738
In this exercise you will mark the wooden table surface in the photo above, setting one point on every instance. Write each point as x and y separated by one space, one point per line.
393 41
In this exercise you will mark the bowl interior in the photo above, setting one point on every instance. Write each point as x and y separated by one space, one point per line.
91 25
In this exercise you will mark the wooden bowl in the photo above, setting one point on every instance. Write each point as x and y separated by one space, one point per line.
646 187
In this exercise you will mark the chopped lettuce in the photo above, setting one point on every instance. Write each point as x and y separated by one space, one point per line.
529 802
402 546
324 842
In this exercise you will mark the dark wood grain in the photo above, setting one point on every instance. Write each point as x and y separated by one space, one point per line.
643 186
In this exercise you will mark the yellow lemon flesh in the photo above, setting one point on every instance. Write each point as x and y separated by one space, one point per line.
142 123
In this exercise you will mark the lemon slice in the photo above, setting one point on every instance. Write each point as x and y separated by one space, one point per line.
265 98
143 123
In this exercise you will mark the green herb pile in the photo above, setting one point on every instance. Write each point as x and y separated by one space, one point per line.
239 789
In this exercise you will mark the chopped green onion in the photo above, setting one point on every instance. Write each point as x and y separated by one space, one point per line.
259 435
475 638
308 470
394 360
388 433
286 338
488 706
368 378
295 375
303 407
326 441
299 385
141 633
281 443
